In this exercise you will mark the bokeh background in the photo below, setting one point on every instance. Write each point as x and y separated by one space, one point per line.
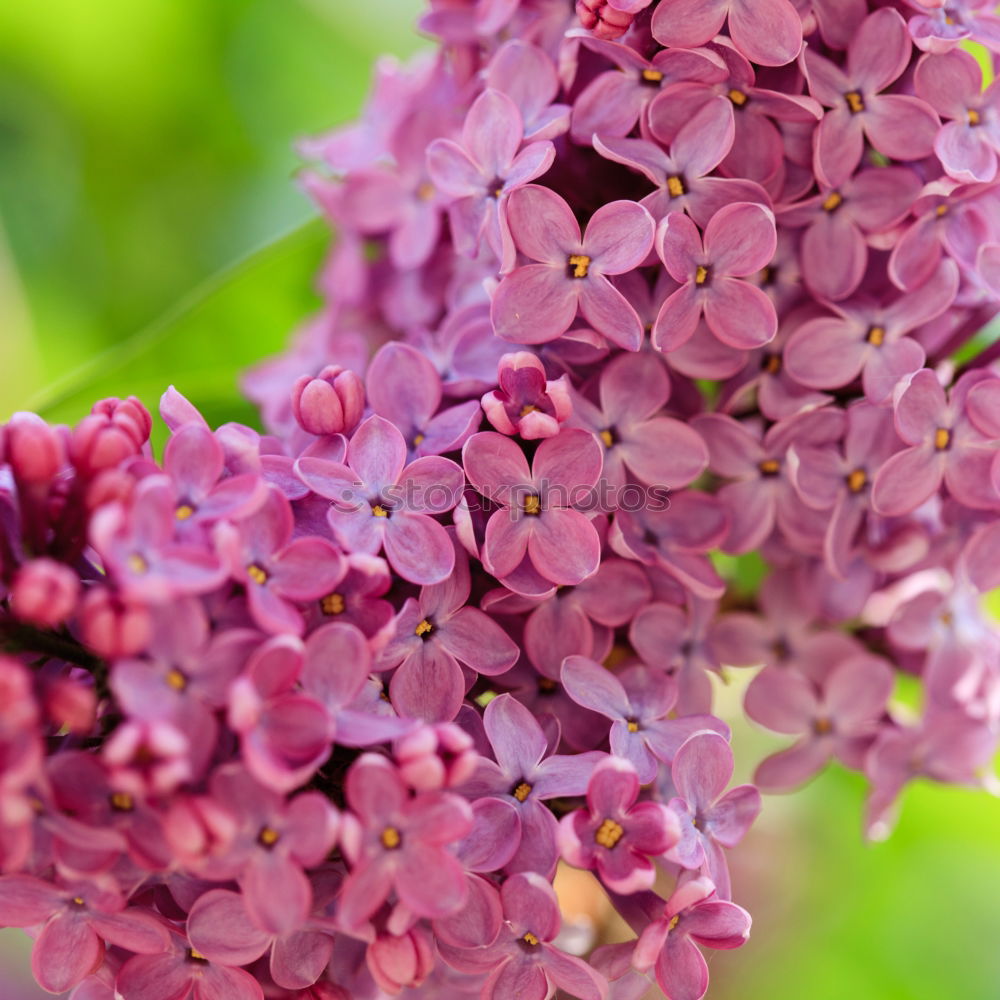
151 231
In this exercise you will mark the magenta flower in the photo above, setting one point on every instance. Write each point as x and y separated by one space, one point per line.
278 573
393 841
680 175
940 26
527 404
739 240
768 32
838 720
693 915
380 501
527 775
617 835
869 338
404 387
952 84
897 125
838 220
436 634
536 520
74 924
330 402
538 302
944 445
522 962
482 170
611 104
637 701
710 817
655 449
180 974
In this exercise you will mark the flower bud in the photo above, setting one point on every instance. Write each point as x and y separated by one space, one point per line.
113 625
45 592
71 705
398 962
433 757
331 402
602 19
33 449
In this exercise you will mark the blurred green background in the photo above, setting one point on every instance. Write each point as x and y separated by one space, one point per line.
145 159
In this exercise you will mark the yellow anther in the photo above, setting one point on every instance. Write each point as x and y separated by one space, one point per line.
196 956
772 364
379 511
183 512
122 802
673 923
533 504
675 187
268 837
876 336
854 101
609 833
770 467
257 573
701 275
332 604
530 940
832 201
973 116
607 437
78 900
942 438
176 680
390 838
822 727
652 76
418 440
857 480
738 97
424 628
941 210
522 791
426 191
633 726
579 264
137 564
528 408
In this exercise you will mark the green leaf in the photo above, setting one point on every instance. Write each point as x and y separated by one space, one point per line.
203 344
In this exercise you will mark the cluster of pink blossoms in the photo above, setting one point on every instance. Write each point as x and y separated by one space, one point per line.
316 713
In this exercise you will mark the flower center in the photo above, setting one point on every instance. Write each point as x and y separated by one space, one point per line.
652 76
176 680
855 102
832 201
973 116
184 511
633 726
424 629
857 480
137 564
738 97
675 186
391 838
876 336
426 191
521 791
332 604
379 511
942 438
268 837
196 956
578 265
772 364
528 408
770 467
257 573
418 440
941 210
77 901
701 275
822 726
533 504
530 940
122 802
673 922
607 436
609 833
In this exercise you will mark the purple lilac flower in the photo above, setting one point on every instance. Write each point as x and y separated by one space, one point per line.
692 916
940 27
571 270
536 520
738 241
525 73
527 403
380 501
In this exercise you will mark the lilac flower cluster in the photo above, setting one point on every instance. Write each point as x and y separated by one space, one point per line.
316 713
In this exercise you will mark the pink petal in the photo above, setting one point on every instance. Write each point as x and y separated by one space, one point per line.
740 314
702 768
492 131
536 303
901 127
377 453
767 32
741 239
220 927
66 952
679 245
609 312
839 143
782 700
686 24
418 548
921 409
564 546
428 685
834 256
789 768
906 480
571 459
542 225
825 353
677 319
619 237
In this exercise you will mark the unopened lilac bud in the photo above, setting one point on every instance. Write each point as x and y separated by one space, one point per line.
44 592
109 486
433 757
602 19
107 438
331 402
71 705
400 962
129 415
114 626
34 450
